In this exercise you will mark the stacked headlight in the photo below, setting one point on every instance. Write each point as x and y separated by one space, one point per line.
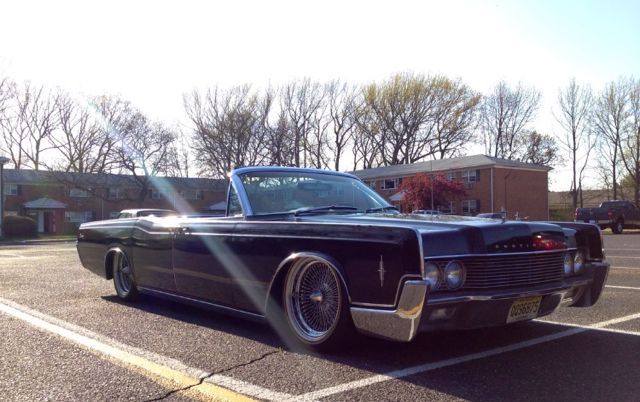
454 274
579 262
432 275
568 264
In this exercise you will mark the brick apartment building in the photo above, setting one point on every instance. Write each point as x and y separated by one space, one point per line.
60 201
491 184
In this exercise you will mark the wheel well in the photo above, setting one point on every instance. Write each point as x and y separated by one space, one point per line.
274 297
108 263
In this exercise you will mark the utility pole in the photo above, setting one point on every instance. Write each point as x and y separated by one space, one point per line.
431 168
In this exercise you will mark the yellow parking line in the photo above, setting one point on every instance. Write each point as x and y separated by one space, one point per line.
152 370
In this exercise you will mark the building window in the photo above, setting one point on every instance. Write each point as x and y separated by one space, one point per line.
389 184
78 216
192 194
116 193
470 176
452 207
11 189
470 207
113 214
371 184
451 176
78 193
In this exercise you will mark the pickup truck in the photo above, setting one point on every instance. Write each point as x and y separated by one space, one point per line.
617 215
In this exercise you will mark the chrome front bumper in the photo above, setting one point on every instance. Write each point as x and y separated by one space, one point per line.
400 324
475 309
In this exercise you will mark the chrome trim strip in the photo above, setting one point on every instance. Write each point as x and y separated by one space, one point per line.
438 299
439 257
294 237
200 302
400 324
373 305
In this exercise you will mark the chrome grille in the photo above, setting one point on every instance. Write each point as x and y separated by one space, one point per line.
512 270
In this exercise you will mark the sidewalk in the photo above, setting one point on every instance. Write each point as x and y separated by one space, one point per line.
8 241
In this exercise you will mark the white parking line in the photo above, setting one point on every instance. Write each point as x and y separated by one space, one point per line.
624 257
622 287
216 387
613 330
396 374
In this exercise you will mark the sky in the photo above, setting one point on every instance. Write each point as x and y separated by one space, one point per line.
152 52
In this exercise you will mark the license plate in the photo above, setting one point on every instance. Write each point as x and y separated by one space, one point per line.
524 309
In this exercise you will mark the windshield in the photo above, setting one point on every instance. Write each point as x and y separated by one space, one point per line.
286 191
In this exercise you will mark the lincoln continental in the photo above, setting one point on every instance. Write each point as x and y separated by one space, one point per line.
319 254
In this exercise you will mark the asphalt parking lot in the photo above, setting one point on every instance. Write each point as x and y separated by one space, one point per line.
65 336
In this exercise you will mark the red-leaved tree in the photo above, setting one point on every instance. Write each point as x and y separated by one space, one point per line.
418 190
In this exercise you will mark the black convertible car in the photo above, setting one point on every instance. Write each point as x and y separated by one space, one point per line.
319 253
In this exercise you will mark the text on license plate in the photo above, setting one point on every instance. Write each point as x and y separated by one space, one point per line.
524 309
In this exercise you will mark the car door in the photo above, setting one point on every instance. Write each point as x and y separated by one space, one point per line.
203 263
152 248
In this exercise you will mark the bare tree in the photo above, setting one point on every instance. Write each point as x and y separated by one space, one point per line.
609 123
12 123
7 87
631 141
365 148
342 112
280 144
179 156
142 151
83 138
394 114
301 101
574 107
37 107
15 130
230 128
540 149
455 118
506 114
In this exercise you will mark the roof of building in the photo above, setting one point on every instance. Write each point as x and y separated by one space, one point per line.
440 165
26 176
44 203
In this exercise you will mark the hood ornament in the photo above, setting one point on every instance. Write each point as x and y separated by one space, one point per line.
381 271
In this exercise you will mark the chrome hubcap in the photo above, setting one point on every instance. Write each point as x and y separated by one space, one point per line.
316 296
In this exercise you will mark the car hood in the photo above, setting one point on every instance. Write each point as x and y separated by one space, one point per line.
452 235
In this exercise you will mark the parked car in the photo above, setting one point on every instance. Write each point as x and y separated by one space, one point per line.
319 253
432 212
491 215
617 215
134 213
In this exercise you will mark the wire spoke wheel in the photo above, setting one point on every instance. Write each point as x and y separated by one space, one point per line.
313 300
